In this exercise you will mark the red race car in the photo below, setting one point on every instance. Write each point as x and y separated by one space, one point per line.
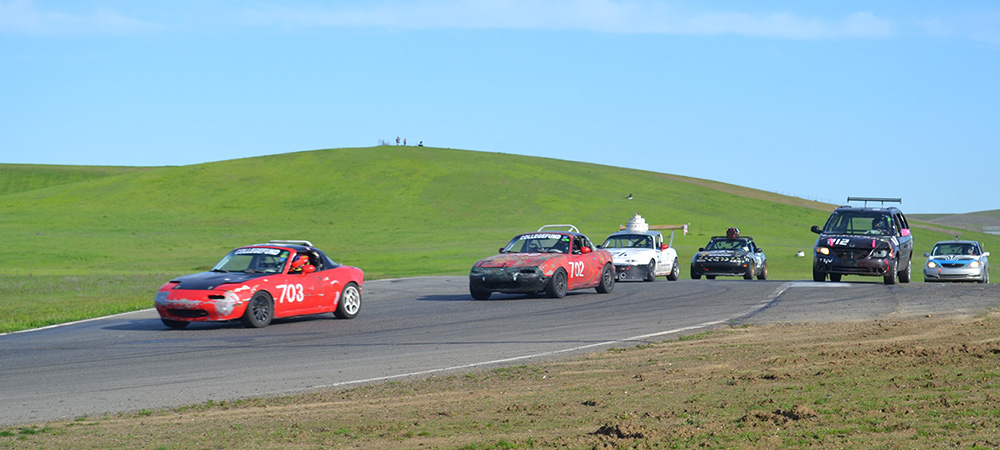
550 261
258 283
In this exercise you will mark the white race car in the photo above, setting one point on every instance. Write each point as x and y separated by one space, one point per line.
640 254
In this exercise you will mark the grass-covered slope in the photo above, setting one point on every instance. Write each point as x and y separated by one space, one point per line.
105 243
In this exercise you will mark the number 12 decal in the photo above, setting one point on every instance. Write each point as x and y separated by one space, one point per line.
290 293
575 269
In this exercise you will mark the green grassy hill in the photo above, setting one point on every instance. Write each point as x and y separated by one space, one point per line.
100 240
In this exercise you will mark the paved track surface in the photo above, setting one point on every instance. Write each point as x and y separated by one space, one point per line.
408 328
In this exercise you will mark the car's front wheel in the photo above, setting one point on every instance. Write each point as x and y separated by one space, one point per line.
904 276
890 275
607 279
479 294
694 274
748 275
818 276
763 273
175 324
260 311
650 271
557 284
350 302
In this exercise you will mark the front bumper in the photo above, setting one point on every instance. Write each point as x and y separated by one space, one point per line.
846 266
718 268
953 274
199 306
508 280
631 272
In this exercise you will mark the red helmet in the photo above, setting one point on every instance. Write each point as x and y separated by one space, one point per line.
299 261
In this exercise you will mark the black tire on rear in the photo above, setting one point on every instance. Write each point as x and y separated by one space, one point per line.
259 312
350 302
557 284
650 271
607 279
175 324
675 272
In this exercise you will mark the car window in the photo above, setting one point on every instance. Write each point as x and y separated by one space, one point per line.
253 260
860 222
728 244
628 241
538 243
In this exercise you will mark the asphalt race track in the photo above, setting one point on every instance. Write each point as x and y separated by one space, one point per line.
410 328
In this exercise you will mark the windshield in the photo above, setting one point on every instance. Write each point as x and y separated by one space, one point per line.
860 222
253 260
628 241
538 243
729 244
955 249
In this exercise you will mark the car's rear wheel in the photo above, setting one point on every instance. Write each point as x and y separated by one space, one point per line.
835 277
557 284
650 271
763 273
175 324
607 279
675 272
350 302
259 312
904 276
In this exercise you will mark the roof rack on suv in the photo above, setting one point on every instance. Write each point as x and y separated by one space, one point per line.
874 199
285 241
572 229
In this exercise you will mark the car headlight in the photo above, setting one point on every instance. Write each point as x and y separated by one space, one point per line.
931 264
975 264
823 250
880 253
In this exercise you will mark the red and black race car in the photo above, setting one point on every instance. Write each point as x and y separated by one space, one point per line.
550 261
258 283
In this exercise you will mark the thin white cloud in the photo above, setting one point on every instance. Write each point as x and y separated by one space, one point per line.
23 17
588 15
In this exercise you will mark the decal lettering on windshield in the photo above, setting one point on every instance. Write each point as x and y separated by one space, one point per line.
258 251
525 237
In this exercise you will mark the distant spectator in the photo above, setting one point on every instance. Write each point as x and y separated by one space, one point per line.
404 142
421 144
397 140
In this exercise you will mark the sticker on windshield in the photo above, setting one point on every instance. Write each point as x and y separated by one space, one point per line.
258 251
525 237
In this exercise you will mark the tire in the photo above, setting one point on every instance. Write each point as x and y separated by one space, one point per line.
479 294
557 284
350 302
260 311
675 272
175 324
694 274
835 277
709 277
818 276
763 273
904 276
607 280
650 271
891 276
748 275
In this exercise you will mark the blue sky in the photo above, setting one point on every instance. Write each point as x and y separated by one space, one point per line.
819 100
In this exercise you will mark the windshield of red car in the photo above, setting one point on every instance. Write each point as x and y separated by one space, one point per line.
539 243
253 260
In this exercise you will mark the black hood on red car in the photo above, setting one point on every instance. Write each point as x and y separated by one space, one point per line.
209 280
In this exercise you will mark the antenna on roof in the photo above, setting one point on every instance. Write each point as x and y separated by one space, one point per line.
881 200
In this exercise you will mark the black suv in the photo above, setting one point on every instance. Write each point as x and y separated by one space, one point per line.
864 241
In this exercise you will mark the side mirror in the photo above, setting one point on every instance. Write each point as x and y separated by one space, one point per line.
308 268
926 254
664 247
501 250
585 250
815 229
986 253
905 232
701 249
760 250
